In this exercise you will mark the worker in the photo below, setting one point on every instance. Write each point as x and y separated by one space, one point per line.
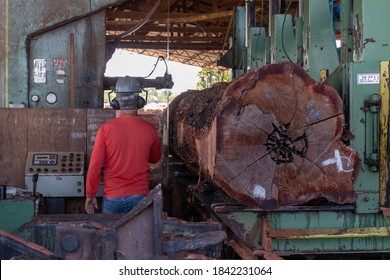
125 145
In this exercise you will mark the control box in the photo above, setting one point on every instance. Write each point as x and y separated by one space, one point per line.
59 174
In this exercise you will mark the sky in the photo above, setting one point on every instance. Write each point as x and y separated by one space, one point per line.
125 63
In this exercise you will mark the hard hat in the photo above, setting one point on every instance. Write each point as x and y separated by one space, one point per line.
127 91
127 85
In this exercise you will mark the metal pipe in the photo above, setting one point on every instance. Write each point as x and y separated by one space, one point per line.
300 5
250 18
274 8
141 23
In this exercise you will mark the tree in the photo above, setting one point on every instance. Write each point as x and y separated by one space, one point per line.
207 78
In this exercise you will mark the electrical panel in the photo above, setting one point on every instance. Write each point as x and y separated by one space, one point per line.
57 174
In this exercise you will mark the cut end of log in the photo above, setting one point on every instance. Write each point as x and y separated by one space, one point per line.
271 139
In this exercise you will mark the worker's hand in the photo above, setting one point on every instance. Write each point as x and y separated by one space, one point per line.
91 205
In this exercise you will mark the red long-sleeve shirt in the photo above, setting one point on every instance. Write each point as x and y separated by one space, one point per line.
126 145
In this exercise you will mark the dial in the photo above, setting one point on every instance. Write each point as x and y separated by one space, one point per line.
35 98
51 97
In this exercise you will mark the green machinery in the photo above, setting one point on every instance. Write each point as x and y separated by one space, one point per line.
359 69
16 212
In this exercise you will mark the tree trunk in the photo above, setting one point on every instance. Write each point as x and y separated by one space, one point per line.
270 138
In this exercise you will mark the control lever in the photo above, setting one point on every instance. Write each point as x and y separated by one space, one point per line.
35 180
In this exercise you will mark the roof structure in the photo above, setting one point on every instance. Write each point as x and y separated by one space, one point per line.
191 32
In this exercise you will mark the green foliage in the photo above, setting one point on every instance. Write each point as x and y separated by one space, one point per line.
207 78
153 95
158 95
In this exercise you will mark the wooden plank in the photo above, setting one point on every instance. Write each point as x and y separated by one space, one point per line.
95 118
49 130
56 130
151 116
13 146
72 86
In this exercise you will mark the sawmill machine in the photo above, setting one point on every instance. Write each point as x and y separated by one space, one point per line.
343 44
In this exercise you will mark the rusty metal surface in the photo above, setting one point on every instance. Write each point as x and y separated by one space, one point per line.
140 231
105 219
13 246
72 64
193 242
204 238
267 255
244 252
244 224
327 233
385 211
38 16
135 235
266 240
82 242
386 216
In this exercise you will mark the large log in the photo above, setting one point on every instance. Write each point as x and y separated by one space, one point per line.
269 139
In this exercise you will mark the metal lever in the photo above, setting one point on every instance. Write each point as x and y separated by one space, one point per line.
35 180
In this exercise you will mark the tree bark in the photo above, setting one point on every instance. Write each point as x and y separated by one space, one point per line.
270 138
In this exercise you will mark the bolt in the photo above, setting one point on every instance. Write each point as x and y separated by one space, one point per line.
70 243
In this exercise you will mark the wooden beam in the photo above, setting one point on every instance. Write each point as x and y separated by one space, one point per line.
157 28
165 4
187 56
200 59
162 45
134 17
140 15
197 17
159 38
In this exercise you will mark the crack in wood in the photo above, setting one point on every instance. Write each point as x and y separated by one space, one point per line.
282 148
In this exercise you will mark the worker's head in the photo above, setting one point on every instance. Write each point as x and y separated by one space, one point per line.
127 91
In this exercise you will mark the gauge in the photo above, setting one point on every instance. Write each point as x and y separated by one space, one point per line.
51 97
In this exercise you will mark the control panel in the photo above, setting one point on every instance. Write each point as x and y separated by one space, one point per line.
64 163
56 174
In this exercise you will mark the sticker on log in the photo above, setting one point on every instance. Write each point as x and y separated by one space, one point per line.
270 138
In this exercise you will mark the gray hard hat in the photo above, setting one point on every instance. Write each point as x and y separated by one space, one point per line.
127 84
127 91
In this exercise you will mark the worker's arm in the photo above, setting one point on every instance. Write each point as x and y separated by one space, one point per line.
155 150
94 168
